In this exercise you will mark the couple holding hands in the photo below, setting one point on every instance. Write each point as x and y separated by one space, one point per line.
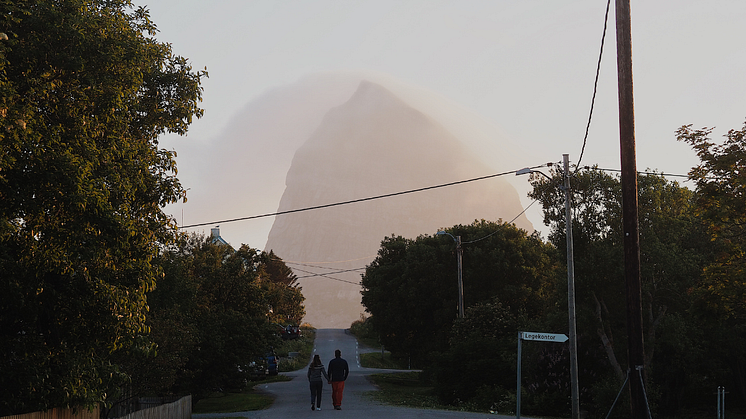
337 374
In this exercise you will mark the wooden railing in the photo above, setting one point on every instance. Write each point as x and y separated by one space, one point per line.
180 409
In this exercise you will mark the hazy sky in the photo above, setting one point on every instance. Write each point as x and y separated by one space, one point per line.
526 66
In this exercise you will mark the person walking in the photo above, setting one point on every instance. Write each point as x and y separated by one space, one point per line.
338 372
315 372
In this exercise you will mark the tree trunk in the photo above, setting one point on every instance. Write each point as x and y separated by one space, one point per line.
654 323
607 342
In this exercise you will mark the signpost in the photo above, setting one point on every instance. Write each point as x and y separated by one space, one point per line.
542 337
721 402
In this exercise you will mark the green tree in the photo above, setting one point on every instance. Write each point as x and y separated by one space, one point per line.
410 289
211 316
674 247
276 270
285 303
721 181
410 297
480 360
281 289
85 90
721 204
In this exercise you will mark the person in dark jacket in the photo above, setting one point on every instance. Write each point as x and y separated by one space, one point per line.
338 372
315 372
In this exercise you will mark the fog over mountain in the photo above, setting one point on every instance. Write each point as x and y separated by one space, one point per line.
241 171
375 143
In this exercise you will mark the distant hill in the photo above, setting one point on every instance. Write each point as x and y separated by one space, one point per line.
375 144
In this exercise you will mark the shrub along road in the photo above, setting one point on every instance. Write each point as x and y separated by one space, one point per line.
293 398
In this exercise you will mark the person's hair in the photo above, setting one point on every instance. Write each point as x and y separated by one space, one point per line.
337 353
316 361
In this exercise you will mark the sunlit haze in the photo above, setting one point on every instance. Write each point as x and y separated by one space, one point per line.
511 80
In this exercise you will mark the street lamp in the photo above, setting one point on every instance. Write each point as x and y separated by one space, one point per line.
570 284
459 251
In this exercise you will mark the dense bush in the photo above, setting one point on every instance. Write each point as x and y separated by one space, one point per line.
209 317
364 331
480 361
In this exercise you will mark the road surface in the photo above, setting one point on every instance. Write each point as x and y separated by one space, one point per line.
293 398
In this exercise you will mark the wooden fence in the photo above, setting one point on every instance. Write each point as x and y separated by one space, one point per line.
181 409
59 414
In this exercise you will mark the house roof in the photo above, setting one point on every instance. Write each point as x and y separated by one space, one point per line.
215 235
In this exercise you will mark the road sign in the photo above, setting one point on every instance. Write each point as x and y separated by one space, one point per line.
545 337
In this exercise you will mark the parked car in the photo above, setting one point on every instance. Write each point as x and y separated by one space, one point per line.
290 332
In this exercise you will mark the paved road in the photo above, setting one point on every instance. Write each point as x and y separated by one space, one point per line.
293 398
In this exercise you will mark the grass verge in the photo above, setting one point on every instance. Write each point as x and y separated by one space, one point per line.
371 342
247 400
407 389
403 389
379 360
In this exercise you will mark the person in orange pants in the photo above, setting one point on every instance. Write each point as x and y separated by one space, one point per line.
338 371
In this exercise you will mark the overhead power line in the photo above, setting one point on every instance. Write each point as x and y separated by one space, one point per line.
595 83
639 173
327 276
313 264
509 222
405 193
334 270
311 275
353 201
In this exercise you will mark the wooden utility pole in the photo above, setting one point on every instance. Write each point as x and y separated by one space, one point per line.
459 255
630 223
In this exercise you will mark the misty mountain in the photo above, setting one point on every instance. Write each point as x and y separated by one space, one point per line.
375 144
242 171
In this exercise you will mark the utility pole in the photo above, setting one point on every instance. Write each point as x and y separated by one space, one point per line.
630 222
459 253
574 392
574 387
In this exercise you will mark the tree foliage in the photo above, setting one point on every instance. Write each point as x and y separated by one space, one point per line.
212 316
85 90
721 205
694 293
674 248
480 358
281 290
410 289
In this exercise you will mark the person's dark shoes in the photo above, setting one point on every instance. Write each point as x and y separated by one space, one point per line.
313 407
337 407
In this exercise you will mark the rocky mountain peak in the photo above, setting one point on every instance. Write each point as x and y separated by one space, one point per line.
374 144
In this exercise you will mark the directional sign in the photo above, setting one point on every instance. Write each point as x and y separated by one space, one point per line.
545 337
